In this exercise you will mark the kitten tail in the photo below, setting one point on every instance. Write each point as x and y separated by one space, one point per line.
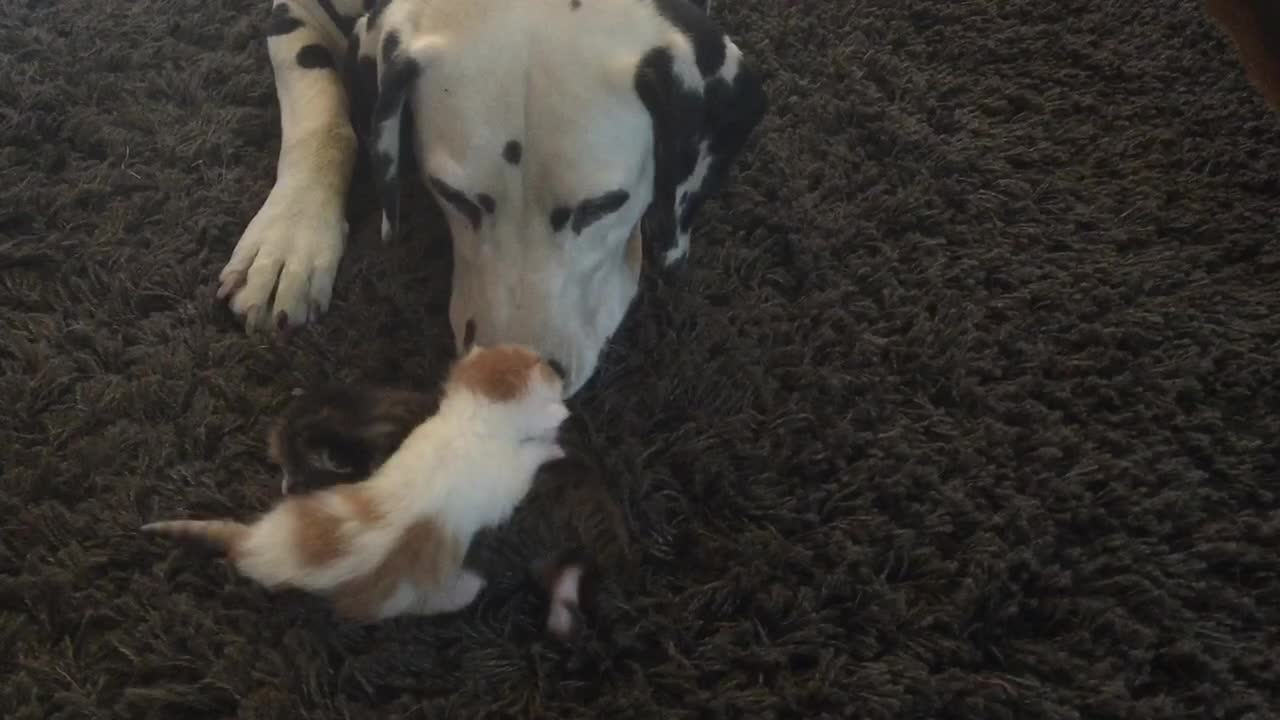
224 534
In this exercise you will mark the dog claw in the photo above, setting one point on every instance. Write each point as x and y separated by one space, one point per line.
230 284
257 319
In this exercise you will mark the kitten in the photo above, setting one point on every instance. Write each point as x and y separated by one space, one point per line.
394 543
340 434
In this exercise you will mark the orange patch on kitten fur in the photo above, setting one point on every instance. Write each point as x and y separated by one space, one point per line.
424 555
320 536
501 373
318 532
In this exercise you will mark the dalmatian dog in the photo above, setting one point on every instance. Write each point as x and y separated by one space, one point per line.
566 141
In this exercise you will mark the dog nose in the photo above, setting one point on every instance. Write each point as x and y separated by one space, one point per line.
558 367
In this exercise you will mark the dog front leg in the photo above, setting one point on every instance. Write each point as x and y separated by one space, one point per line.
295 241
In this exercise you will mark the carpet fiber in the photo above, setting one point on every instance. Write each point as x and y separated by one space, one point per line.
967 406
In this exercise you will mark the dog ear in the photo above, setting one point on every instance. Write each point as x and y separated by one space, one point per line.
698 132
386 60
398 71
676 113
360 75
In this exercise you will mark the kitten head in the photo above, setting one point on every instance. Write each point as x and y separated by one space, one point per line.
342 433
513 386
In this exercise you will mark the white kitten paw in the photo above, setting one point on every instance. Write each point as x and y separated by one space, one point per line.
460 592
538 452
467 587
292 247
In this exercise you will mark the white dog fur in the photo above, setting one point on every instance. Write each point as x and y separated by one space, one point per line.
559 136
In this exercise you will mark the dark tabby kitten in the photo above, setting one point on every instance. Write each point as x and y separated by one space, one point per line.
342 433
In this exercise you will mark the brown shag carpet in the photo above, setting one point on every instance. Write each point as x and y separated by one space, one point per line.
967 407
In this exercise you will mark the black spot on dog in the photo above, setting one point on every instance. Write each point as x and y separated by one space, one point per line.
512 151
344 23
708 42
374 12
459 201
486 202
591 210
315 57
281 21
560 217
575 4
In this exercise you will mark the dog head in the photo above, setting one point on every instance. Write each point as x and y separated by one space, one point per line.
549 142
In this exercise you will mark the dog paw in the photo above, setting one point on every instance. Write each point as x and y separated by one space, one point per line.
292 247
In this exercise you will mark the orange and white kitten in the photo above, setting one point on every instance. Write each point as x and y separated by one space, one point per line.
394 544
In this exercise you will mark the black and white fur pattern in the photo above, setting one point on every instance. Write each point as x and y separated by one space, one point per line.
559 137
